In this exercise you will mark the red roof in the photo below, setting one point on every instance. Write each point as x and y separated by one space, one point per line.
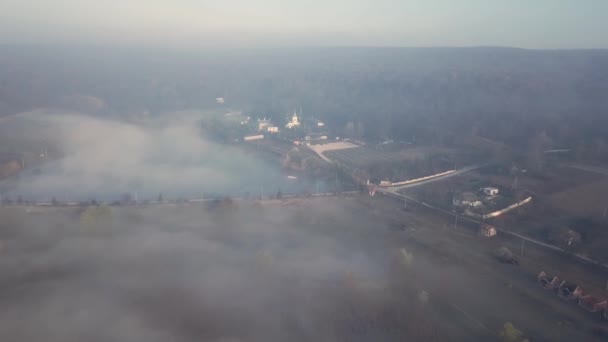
592 300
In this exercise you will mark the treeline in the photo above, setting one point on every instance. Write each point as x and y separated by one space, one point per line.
431 95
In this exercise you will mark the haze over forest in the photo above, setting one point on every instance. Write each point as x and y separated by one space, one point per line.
389 93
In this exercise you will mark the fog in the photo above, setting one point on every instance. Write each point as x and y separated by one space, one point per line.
103 159
233 273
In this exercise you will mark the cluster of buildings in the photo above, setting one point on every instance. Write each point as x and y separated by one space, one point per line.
264 125
471 200
572 292
267 126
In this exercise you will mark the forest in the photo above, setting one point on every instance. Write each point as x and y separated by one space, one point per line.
431 95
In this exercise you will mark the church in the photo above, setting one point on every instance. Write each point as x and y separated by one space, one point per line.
294 121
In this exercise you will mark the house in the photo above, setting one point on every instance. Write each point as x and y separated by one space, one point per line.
263 124
490 191
592 304
467 199
487 230
219 100
294 121
273 129
569 291
546 282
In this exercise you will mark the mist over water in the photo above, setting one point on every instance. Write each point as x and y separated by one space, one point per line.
105 159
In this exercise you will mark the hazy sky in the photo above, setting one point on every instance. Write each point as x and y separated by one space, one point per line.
519 23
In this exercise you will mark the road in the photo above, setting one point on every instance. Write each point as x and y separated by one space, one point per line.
455 173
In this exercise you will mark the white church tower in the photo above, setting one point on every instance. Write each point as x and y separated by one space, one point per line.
294 121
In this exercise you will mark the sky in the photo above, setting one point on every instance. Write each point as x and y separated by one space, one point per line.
539 24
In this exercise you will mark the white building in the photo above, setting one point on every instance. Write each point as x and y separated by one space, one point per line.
273 129
467 199
490 191
219 100
253 137
263 124
294 121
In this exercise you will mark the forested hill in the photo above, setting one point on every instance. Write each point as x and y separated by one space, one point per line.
433 94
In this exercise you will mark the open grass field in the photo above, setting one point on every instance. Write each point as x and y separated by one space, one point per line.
366 156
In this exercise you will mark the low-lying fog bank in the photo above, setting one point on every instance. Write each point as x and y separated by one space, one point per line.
309 270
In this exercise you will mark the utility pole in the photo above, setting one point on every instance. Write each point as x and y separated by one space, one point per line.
455 221
337 180
317 188
522 247
605 211
514 186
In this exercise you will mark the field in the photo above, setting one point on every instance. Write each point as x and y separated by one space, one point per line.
583 200
321 149
365 156
334 269
397 165
566 203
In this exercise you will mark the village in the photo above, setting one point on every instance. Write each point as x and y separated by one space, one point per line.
491 195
